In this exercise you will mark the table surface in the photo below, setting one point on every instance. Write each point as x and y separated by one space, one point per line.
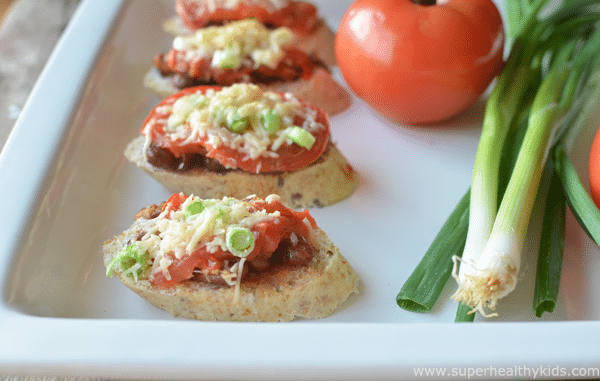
4 5
28 33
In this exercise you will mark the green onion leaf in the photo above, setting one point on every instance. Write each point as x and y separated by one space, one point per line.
464 314
580 202
425 284
550 255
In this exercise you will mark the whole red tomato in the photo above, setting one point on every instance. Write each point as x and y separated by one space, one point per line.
420 63
594 169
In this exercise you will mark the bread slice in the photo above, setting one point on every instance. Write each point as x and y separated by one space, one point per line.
328 180
320 89
312 291
320 43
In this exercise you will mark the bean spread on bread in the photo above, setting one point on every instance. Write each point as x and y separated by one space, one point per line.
216 241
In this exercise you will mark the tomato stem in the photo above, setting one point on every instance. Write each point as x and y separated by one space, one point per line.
425 2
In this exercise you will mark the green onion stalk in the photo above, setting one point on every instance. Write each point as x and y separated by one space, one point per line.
503 107
578 199
501 111
492 273
565 187
552 237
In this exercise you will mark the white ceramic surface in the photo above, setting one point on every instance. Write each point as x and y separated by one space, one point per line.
66 188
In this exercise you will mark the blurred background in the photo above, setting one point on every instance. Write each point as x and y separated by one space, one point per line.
29 30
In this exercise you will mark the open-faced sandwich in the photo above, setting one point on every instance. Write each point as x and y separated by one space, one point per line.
231 260
239 140
246 51
301 17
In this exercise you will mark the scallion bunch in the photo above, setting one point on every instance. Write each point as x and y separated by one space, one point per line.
541 97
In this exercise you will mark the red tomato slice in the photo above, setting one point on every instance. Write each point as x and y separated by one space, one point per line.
594 169
174 202
182 269
269 235
296 64
299 16
290 157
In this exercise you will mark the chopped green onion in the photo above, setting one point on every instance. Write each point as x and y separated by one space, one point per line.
239 126
233 121
227 59
131 259
271 121
301 137
195 207
240 241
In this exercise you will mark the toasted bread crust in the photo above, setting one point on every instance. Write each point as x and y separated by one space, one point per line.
313 291
327 181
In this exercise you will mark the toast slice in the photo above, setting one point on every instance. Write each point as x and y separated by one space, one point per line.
328 180
280 294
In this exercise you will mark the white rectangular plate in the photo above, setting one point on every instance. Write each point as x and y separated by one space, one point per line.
66 188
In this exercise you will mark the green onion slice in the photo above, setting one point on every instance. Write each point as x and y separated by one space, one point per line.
195 207
301 137
240 241
227 59
271 121
239 126
130 256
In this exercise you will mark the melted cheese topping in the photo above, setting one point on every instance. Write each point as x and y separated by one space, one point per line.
178 234
230 44
200 115
213 5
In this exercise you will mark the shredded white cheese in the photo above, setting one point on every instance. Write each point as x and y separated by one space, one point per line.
213 5
231 44
206 115
240 271
176 234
